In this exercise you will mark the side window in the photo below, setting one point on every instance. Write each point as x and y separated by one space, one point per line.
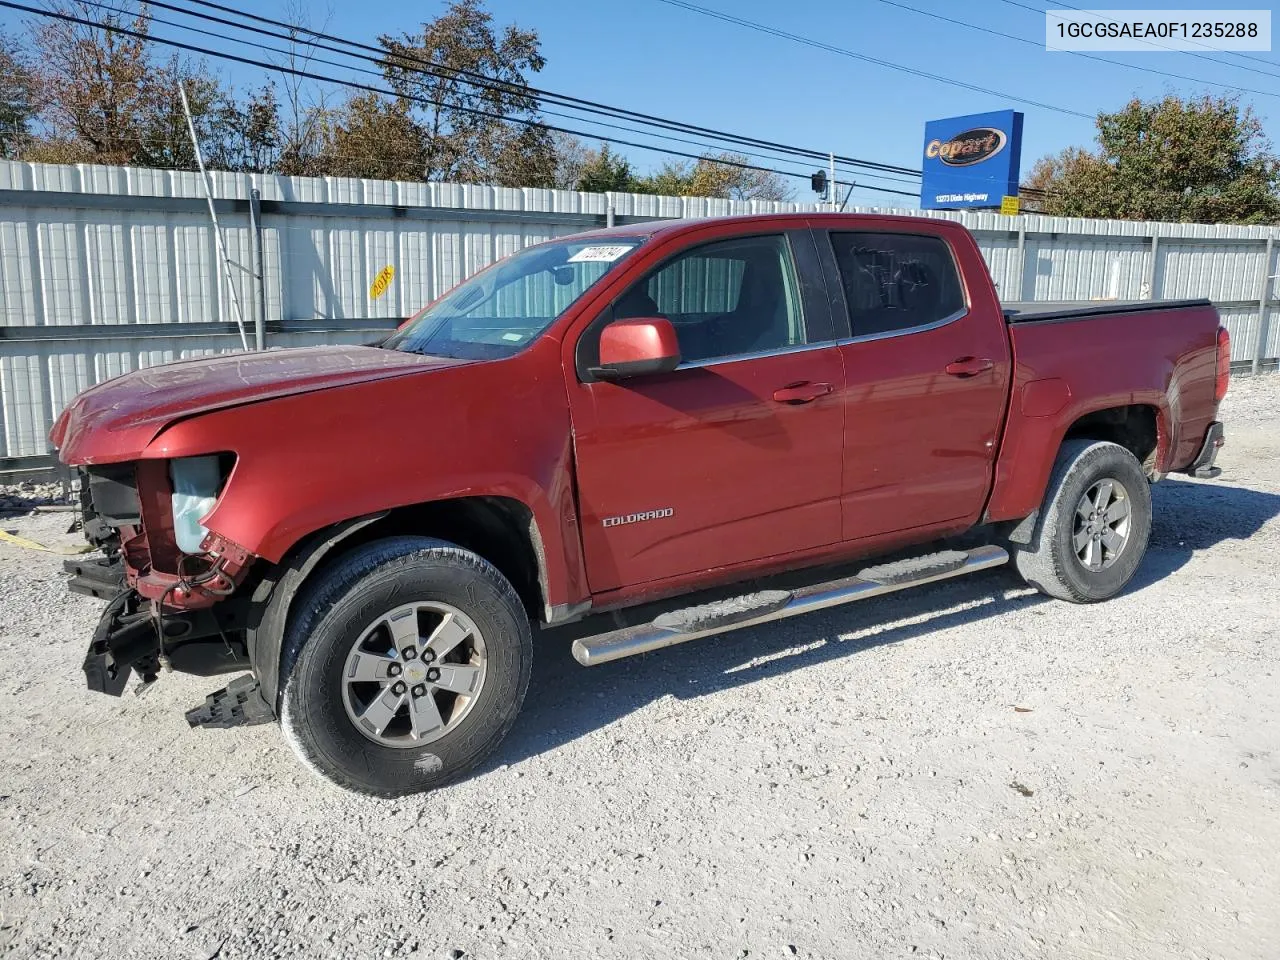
895 281
724 299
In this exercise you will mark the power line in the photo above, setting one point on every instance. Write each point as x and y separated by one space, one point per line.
1152 43
366 70
371 89
426 66
379 73
830 48
1077 53
480 80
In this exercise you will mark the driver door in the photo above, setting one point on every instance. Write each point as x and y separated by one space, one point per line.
735 455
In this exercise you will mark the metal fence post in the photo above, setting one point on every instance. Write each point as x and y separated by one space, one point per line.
259 274
1022 260
1150 280
1264 295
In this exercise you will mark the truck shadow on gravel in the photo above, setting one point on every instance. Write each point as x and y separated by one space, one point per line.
567 701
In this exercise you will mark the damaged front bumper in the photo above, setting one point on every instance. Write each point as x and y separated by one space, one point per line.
162 615
95 577
135 635
127 640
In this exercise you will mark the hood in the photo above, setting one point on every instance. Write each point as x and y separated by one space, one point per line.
115 420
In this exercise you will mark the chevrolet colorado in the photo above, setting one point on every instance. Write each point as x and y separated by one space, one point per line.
615 427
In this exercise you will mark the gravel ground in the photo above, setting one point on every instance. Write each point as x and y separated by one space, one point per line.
24 496
965 771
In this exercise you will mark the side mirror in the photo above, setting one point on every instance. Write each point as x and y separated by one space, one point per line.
630 348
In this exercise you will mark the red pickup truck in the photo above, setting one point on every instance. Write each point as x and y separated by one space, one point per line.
629 421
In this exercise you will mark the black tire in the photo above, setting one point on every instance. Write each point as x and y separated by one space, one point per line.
1050 563
336 609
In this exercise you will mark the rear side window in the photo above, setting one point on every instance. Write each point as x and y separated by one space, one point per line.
896 281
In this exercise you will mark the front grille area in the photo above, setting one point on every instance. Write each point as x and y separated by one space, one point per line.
113 492
108 501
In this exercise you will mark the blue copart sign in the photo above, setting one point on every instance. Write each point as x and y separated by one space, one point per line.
971 161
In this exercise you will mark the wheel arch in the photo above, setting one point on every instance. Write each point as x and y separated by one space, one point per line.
1032 444
502 530
1138 427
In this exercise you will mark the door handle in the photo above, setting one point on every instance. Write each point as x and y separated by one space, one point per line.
969 366
802 392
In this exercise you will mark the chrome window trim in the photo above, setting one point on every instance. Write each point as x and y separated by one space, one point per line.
906 331
754 355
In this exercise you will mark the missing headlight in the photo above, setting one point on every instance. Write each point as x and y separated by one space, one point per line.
196 482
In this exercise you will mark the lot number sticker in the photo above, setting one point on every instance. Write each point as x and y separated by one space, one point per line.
382 282
599 254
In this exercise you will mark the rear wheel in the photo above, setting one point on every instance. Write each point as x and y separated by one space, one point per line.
406 666
1094 525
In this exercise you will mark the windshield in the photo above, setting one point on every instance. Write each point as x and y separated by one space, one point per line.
501 310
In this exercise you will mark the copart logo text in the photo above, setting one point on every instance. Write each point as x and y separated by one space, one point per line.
972 146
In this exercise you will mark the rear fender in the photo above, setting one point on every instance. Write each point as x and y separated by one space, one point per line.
1031 445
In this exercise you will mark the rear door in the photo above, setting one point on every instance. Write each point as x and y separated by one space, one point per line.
736 454
927 374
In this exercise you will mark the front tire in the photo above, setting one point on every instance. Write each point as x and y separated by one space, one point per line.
405 666
1094 525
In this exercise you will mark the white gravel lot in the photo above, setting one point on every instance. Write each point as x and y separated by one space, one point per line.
964 771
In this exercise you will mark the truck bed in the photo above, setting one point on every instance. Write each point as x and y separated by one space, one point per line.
1073 358
1043 311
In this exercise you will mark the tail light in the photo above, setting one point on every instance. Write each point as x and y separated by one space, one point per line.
1224 364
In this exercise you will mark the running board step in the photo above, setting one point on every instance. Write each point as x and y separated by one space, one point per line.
693 623
907 572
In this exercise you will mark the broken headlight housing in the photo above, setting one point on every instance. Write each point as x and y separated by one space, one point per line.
196 481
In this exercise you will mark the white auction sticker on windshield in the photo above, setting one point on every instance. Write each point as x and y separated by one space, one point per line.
603 254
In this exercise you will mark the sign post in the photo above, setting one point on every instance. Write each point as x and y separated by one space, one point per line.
971 162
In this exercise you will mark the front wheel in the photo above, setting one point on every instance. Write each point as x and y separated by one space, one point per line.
406 666
1093 527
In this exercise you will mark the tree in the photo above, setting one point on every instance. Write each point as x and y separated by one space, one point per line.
374 137
161 123
459 108
1199 160
468 131
603 171
304 114
711 177
527 159
669 180
257 140
104 98
17 99
716 175
571 156
94 85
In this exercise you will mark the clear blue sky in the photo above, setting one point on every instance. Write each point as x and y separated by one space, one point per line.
649 56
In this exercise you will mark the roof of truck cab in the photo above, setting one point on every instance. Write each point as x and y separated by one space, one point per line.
654 228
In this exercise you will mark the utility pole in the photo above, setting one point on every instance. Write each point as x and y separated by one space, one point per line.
834 188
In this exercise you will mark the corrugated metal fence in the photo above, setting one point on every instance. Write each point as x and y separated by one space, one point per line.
107 269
